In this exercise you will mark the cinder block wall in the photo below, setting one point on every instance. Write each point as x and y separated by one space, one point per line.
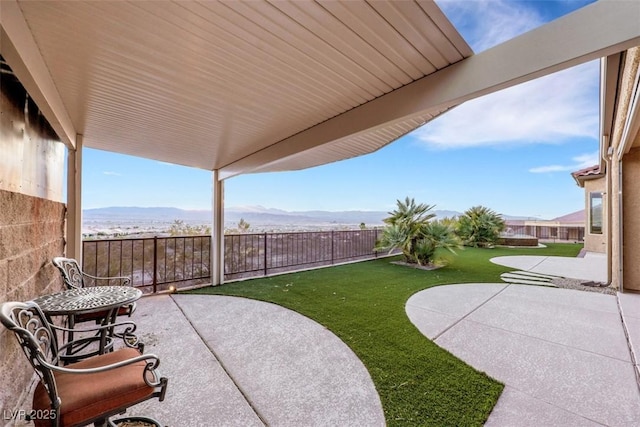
31 234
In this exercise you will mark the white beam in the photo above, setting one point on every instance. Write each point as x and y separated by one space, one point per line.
609 79
217 230
597 30
21 52
74 201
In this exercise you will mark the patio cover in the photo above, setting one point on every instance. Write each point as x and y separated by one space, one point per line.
238 87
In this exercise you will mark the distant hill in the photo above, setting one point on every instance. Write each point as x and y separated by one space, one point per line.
132 213
123 220
575 217
254 215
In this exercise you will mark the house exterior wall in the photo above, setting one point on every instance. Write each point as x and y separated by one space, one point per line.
625 191
31 225
595 242
615 224
631 220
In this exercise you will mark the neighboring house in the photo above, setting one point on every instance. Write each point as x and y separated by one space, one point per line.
566 228
612 188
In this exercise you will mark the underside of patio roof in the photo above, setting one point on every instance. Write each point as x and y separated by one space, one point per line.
258 86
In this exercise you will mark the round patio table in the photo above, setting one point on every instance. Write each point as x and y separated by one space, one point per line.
105 300
87 300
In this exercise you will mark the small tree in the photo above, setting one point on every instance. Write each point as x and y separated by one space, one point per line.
243 226
480 227
180 228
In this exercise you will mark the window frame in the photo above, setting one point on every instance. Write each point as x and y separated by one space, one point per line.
595 228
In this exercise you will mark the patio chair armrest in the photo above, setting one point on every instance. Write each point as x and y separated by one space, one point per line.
150 376
124 281
127 335
131 327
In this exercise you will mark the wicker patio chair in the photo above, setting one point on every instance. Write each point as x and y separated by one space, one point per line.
90 391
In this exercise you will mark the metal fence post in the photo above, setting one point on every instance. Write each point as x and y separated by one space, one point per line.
155 264
375 240
332 245
265 254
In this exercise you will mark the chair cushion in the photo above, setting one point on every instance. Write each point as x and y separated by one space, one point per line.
86 396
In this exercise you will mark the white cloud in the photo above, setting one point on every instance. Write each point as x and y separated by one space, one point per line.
549 110
579 162
500 20
110 173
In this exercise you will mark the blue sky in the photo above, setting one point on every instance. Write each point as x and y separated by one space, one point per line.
512 151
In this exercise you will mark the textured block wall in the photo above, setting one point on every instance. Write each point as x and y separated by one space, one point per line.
31 234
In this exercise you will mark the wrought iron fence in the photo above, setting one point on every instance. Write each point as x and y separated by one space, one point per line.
156 263
249 255
152 263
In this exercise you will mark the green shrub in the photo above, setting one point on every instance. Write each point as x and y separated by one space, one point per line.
480 227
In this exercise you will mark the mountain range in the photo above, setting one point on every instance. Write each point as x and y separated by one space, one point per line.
254 215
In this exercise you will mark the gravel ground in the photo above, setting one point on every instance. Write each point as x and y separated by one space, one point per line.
580 285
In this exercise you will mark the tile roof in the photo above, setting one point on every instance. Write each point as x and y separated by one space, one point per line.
586 172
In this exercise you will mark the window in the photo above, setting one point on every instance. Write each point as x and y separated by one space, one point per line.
595 213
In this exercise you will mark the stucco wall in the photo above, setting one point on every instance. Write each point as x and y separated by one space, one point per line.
31 156
595 242
624 210
31 225
615 204
631 216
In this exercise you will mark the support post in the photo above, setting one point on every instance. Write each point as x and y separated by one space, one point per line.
74 201
217 230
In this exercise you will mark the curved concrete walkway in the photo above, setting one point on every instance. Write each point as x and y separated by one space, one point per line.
562 354
240 362
592 267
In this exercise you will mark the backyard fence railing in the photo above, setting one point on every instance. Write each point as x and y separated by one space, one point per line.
153 263
248 255
550 233
156 263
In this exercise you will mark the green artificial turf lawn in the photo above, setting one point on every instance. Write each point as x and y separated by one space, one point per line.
364 304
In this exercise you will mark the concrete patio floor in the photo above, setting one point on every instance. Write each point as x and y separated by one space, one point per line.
239 362
566 357
562 354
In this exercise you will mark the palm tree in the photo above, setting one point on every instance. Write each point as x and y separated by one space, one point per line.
410 212
410 229
435 235
480 227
